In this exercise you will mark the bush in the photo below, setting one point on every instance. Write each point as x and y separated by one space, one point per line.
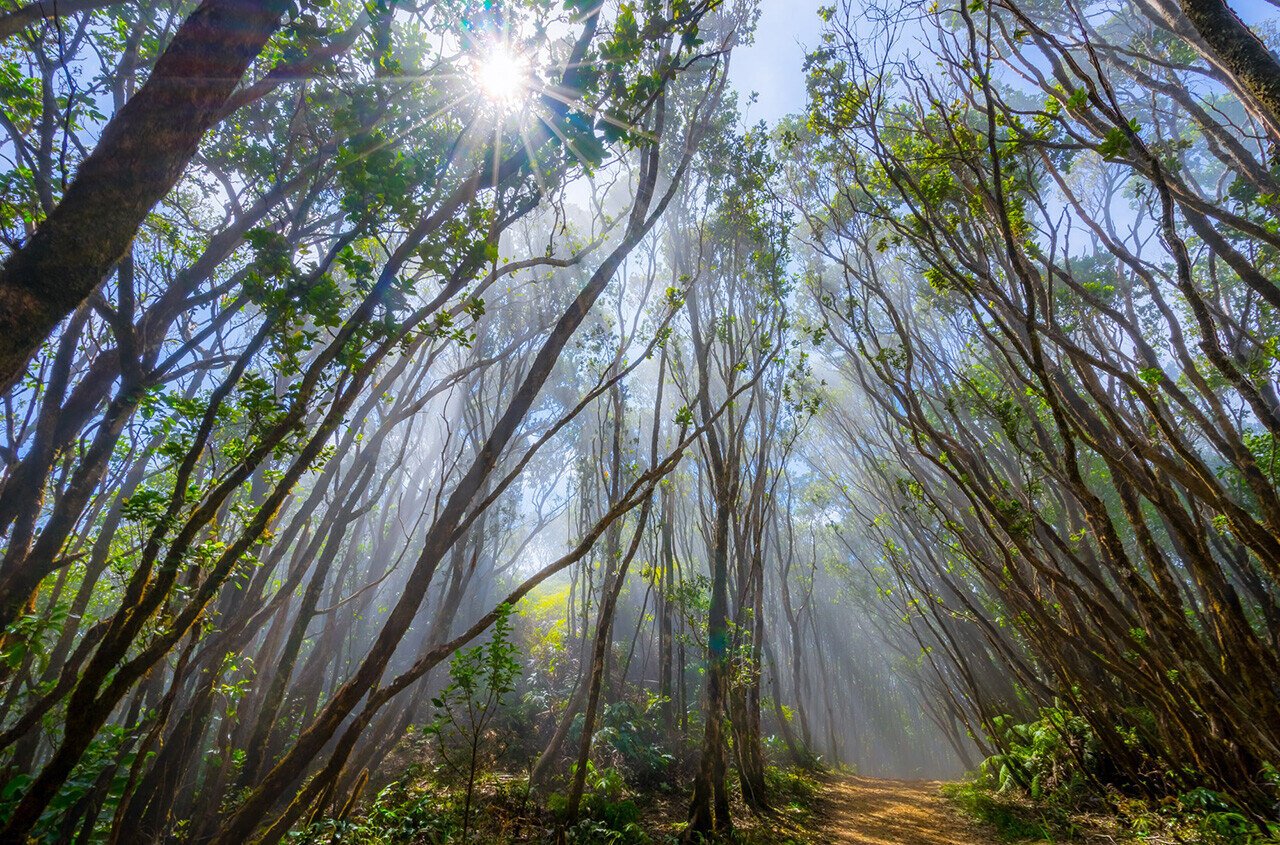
631 732
397 816
793 786
608 816
1049 759
1218 822
1056 763
481 679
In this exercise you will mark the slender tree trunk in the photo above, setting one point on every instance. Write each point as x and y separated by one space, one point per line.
604 639
709 806
666 630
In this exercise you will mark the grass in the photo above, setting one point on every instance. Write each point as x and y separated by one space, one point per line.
1011 820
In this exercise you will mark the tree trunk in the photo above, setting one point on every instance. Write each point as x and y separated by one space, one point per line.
709 807
1241 52
141 155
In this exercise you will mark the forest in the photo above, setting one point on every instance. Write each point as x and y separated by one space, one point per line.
462 421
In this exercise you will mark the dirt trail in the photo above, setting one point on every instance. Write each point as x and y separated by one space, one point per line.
864 811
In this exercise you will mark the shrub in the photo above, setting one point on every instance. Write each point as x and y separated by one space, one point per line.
1049 758
480 681
1012 822
397 816
632 733
608 816
1056 762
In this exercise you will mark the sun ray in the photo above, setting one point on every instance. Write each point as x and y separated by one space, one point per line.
497 154
534 165
581 105
503 76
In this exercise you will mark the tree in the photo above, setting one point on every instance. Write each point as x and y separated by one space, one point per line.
481 681
1080 426
142 153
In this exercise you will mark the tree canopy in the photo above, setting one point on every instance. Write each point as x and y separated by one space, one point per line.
456 421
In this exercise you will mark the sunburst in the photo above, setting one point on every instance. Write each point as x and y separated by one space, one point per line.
503 75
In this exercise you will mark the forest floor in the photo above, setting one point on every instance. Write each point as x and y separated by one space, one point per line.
868 811
851 810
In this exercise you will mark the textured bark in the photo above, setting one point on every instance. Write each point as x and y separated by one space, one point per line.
1241 52
709 806
140 157
744 705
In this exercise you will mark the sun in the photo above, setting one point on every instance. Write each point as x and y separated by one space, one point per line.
503 76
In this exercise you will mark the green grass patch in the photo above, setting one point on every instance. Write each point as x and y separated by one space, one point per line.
1011 820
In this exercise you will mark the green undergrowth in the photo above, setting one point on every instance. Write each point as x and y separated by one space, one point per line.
614 815
1195 818
1050 784
418 810
794 796
1011 820
400 814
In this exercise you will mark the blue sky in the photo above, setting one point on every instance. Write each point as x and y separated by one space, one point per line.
772 65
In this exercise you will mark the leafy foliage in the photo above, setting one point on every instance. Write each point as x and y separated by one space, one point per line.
1053 756
481 681
608 817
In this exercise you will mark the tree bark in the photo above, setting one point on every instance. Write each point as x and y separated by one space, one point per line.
1241 52
142 154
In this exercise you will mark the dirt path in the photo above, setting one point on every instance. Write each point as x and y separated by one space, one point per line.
863 811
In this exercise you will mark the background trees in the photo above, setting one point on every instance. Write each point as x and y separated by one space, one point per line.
943 411
1051 274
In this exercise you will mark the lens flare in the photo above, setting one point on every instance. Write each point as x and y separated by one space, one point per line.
503 77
